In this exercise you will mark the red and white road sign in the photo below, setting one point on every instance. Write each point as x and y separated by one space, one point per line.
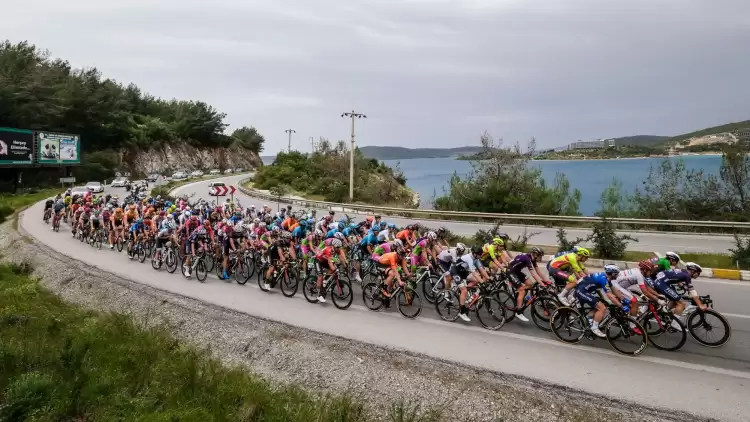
232 190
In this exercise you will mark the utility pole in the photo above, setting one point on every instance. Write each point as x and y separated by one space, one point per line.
290 132
312 145
353 116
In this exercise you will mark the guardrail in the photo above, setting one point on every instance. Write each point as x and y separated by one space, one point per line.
529 219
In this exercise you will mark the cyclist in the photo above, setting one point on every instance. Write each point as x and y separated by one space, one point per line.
667 262
634 280
95 225
568 268
526 261
275 254
492 256
445 260
48 208
136 231
324 260
390 262
464 270
599 283
664 281
419 255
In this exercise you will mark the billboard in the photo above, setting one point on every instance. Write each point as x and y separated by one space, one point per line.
16 146
59 148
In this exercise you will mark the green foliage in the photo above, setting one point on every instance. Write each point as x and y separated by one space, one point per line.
712 130
58 362
12 203
38 92
502 182
326 173
613 201
563 244
741 253
607 243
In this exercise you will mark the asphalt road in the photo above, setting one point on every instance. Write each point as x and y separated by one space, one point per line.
647 241
710 382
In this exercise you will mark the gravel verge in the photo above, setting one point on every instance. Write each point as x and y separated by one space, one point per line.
321 363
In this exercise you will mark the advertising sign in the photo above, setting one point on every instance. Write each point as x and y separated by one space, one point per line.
59 148
16 147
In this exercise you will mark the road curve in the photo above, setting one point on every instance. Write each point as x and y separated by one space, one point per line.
647 241
669 380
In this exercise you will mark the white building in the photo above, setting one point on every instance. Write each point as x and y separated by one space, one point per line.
595 144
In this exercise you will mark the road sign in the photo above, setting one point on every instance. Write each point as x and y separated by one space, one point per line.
220 190
67 180
232 190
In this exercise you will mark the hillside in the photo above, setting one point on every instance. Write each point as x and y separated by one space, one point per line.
401 153
642 140
711 131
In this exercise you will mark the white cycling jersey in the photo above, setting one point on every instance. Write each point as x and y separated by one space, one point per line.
630 278
448 255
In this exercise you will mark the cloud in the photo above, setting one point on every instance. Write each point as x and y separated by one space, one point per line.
427 72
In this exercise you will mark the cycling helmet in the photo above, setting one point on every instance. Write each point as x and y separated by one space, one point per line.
672 256
392 226
339 235
583 252
171 225
247 227
286 235
238 228
311 221
119 211
318 233
194 218
431 236
498 241
503 236
398 243
341 226
476 249
377 216
646 265
537 251
336 243
262 224
460 249
692 266
331 213
383 224
276 229
612 269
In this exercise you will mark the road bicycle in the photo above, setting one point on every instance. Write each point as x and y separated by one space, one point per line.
340 289
541 299
285 276
408 301
168 256
709 323
481 299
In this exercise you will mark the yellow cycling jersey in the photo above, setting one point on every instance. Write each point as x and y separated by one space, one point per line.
567 262
489 251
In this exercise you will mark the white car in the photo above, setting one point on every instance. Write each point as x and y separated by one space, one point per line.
79 190
197 173
215 171
228 171
213 188
120 182
179 175
95 187
239 170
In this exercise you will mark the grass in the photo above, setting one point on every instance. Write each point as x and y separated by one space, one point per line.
9 204
59 362
710 260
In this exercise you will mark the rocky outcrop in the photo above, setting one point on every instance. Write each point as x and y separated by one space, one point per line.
185 157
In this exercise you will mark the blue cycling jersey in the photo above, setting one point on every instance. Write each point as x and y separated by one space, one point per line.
137 226
675 276
347 232
331 233
370 239
594 282
299 233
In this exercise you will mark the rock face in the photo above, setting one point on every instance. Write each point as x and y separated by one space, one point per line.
185 157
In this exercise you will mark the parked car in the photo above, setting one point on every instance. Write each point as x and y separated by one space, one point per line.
239 170
215 171
212 188
197 173
79 190
228 171
179 175
95 187
120 182
153 177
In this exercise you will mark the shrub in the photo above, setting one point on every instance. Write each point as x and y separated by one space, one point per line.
741 254
563 243
607 243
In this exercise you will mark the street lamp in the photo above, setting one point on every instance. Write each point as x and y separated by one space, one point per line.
353 116
290 132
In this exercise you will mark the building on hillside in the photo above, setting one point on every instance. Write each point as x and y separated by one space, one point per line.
742 135
597 144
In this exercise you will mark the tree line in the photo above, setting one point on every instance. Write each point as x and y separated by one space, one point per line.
39 92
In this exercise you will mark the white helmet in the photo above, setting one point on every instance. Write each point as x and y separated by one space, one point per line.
336 243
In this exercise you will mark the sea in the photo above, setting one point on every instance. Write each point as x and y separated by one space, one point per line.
430 176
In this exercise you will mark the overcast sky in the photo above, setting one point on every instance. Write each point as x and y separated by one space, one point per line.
427 73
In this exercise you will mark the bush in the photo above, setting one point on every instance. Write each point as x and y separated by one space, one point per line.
741 254
521 241
607 243
563 243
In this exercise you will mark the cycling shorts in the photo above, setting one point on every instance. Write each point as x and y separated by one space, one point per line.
446 266
560 277
587 298
667 290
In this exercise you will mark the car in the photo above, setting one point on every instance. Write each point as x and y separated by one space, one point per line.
239 170
213 188
179 175
197 173
153 177
80 191
228 171
120 182
215 171
95 187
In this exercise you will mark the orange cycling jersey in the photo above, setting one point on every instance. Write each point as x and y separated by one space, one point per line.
390 259
404 236
130 215
286 224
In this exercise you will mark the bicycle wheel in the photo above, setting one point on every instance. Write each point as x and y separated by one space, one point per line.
182 267
289 283
141 253
541 310
568 325
494 314
310 289
446 305
665 336
98 241
262 279
371 296
409 303
342 294
431 287
699 324
171 261
622 331
210 262
508 302
250 263
120 244
201 272
241 272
